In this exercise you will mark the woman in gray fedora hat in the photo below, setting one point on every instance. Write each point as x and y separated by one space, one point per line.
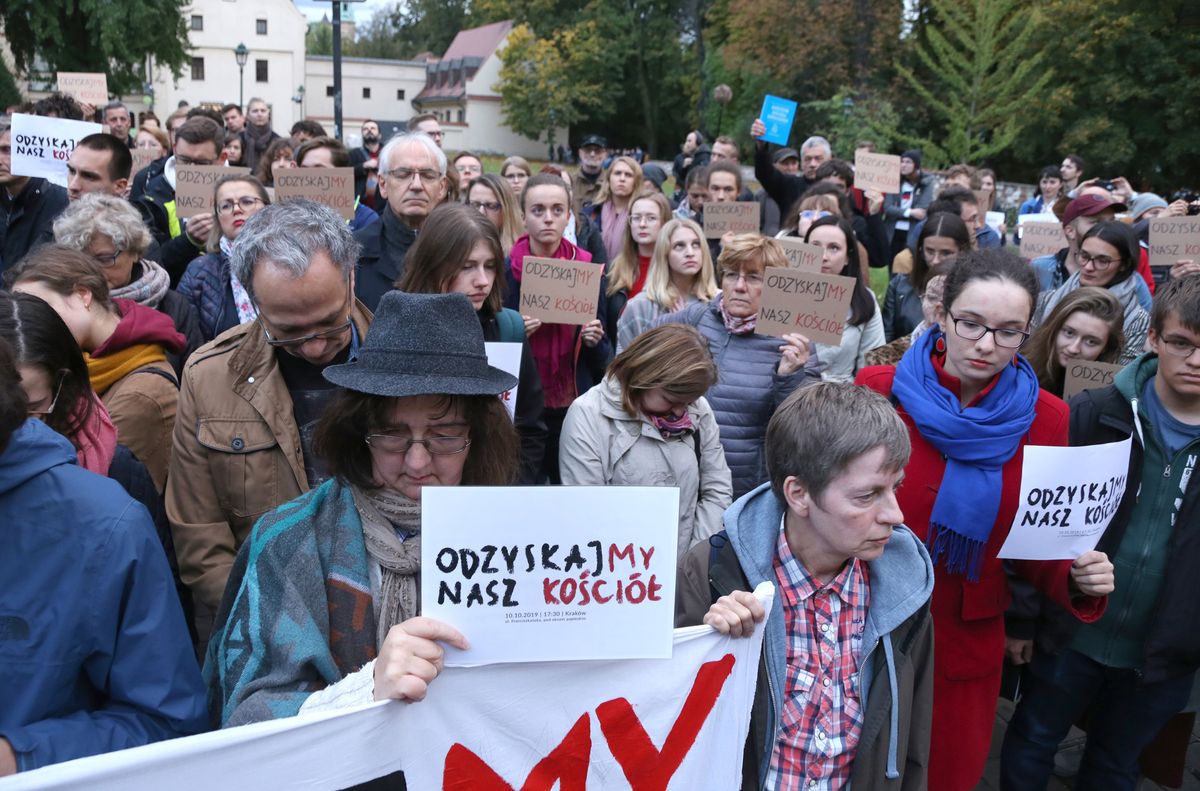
321 609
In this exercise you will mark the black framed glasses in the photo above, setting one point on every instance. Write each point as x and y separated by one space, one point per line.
1101 262
970 330
482 205
332 332
1177 347
436 446
40 414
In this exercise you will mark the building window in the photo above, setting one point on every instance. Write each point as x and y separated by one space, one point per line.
366 93
197 22
399 94
260 26
260 71
197 69
460 116
329 90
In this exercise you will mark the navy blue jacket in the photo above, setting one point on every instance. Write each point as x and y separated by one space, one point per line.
94 654
205 285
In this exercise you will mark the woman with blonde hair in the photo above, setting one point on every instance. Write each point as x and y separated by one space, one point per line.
627 273
619 184
492 197
516 171
647 423
681 272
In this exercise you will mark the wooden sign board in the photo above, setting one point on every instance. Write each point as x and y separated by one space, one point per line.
1173 239
558 291
809 303
735 217
1081 375
333 187
880 172
194 187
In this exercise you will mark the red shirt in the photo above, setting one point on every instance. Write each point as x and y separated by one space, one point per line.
822 715
640 283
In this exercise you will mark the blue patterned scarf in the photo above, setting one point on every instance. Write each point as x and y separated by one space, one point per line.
977 441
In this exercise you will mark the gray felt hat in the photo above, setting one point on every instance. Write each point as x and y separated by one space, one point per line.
422 344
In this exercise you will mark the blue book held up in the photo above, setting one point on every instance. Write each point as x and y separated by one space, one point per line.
778 115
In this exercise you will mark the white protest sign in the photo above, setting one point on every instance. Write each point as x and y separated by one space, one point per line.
994 220
1068 497
563 572
506 357
41 146
676 723
1049 216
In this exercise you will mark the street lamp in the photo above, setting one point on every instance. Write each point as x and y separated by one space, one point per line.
242 54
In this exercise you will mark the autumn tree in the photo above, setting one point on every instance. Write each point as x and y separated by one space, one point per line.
109 36
981 79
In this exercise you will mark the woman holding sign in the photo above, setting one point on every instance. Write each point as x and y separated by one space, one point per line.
1084 326
971 404
458 251
326 594
648 424
864 325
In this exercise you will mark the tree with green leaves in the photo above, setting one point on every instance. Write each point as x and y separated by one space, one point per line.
109 36
982 77
10 94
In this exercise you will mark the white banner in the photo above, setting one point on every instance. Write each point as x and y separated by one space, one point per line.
676 723
41 145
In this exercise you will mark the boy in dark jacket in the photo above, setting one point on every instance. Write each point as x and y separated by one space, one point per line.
1140 657
845 687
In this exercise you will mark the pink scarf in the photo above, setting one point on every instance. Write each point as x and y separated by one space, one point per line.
614 224
555 347
735 325
96 440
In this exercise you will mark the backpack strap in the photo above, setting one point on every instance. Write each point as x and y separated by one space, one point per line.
724 571
169 376
512 326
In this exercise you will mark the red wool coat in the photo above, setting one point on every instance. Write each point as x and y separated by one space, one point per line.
968 617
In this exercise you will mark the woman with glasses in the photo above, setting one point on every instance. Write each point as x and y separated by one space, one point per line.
1108 258
757 372
627 273
943 238
516 171
209 284
126 343
111 231
1084 327
492 197
326 594
971 404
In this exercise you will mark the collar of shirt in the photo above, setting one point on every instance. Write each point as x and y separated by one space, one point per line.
801 585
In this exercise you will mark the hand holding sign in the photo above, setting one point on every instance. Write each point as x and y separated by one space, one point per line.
1092 574
412 656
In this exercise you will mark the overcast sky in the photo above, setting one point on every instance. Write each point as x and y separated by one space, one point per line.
316 9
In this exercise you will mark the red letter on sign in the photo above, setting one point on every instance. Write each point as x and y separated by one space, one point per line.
567 764
645 767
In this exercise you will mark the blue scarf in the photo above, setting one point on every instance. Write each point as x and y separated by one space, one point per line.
976 441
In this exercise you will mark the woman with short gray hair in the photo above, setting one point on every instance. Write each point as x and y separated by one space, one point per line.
111 231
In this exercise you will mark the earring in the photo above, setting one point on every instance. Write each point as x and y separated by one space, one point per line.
940 345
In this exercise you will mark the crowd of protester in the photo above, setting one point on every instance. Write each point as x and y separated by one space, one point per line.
215 432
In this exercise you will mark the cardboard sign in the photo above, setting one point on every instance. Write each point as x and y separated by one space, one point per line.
579 726
41 146
732 217
800 255
810 303
194 187
333 187
777 114
1041 238
558 291
1174 238
506 357
1082 376
142 157
880 172
562 572
84 86
1068 497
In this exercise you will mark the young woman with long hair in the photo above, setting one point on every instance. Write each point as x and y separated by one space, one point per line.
1084 326
627 273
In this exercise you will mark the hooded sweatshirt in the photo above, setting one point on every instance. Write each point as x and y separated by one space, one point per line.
96 656
895 677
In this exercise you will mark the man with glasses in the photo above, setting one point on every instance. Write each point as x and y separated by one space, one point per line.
250 400
200 141
427 124
1139 659
412 179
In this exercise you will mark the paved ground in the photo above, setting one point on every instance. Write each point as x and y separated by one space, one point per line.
991 777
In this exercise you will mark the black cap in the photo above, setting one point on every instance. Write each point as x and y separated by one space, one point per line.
785 153
594 140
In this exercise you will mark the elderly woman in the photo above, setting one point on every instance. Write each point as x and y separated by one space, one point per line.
111 231
126 343
647 423
756 371
325 594
209 285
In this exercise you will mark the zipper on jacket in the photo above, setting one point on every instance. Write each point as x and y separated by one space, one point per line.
1167 471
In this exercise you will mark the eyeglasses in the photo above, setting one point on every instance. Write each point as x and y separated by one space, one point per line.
404 175
108 259
41 413
972 331
436 446
643 219
1101 262
1179 348
246 203
484 205
810 214
752 279
295 343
